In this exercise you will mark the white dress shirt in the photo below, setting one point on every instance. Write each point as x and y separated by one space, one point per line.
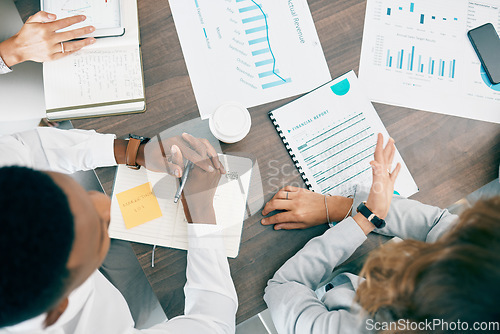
97 306
4 68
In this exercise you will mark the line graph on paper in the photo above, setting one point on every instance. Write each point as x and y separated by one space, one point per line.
256 27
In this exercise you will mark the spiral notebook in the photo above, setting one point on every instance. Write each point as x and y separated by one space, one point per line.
331 134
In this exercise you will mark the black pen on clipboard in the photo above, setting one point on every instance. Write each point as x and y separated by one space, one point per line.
184 177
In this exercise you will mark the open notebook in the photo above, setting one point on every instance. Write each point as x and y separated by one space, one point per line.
101 79
170 230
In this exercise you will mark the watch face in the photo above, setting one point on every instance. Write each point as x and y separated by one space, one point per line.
141 138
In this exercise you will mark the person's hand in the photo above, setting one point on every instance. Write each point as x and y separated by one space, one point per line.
382 190
168 155
303 208
198 195
38 40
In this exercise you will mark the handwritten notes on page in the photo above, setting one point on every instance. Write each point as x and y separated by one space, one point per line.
94 77
138 205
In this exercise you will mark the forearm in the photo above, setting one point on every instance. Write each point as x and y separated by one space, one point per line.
316 261
410 219
63 151
209 288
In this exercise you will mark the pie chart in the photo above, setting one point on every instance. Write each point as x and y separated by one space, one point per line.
487 81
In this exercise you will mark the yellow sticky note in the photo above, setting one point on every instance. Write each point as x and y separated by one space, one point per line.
138 205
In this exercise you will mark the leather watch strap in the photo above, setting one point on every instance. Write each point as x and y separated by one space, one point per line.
131 153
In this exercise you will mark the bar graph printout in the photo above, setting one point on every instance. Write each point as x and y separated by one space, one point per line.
416 54
331 134
248 51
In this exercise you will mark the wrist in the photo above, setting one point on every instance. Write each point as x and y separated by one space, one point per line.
338 207
141 159
201 214
363 223
8 52
120 148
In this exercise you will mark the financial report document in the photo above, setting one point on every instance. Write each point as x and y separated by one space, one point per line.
416 54
331 134
249 52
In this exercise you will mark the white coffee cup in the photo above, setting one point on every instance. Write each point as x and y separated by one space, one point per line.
230 122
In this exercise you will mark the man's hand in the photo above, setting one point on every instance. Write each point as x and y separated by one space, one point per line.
168 155
38 40
303 208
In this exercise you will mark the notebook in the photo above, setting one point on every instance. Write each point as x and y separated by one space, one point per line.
331 134
105 78
170 230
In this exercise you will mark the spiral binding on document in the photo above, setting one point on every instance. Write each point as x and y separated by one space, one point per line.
290 151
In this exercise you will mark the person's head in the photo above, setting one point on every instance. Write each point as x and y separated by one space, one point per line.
53 236
455 278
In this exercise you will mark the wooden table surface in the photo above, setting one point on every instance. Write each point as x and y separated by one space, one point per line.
449 157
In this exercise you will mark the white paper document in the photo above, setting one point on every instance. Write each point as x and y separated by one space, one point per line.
331 134
170 230
248 52
416 54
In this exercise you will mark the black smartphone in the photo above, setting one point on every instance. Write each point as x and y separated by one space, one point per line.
485 41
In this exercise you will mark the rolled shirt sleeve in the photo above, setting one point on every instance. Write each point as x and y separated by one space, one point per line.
4 68
65 151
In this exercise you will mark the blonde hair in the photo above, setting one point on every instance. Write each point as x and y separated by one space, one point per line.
455 278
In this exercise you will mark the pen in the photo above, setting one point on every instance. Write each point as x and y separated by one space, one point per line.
189 166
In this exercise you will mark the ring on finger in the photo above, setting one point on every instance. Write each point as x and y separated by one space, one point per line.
62 47
287 195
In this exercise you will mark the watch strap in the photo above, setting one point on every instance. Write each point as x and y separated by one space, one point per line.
131 153
363 209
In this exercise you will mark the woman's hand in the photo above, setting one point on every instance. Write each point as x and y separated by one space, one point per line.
303 208
38 40
382 190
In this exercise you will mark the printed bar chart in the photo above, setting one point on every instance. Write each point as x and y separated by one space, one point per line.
421 15
260 45
443 65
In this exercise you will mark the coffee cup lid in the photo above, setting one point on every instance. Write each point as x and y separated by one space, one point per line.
230 122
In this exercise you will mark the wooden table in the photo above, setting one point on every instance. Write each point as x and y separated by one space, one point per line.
449 157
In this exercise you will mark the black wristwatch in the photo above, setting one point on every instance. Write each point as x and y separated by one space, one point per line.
378 222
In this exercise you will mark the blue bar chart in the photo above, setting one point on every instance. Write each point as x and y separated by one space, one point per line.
420 15
445 67
255 21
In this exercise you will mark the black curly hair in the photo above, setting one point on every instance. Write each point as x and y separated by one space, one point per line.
36 236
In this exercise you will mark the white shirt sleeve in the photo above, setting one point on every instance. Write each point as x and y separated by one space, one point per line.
211 300
4 68
65 151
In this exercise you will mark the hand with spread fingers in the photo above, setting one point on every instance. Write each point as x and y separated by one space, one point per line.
303 208
38 40
168 155
382 190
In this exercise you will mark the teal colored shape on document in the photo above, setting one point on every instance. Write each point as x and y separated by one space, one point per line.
396 193
341 88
